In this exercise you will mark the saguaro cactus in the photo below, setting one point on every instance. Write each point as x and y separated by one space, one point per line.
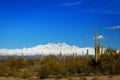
95 41
60 58
74 57
102 49
23 57
98 51
97 46
87 53
42 56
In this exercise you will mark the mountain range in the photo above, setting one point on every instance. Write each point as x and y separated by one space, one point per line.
46 49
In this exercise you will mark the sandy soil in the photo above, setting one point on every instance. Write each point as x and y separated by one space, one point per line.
113 77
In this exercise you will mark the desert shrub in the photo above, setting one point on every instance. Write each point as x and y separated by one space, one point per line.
59 76
44 71
99 74
76 75
52 76
70 78
82 74
22 74
110 76
95 78
91 74
82 78
4 70
51 66
26 74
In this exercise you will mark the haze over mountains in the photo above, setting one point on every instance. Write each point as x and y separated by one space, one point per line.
50 48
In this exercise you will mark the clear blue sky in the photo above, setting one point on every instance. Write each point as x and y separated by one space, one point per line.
27 23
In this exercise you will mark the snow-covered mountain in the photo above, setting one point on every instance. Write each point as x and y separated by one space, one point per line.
50 48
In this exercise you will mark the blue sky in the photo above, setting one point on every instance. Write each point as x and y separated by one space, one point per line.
26 23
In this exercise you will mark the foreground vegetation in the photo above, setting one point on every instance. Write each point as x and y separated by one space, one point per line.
62 66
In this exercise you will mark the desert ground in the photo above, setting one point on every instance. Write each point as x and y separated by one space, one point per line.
110 77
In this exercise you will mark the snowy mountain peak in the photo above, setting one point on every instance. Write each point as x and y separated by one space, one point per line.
53 48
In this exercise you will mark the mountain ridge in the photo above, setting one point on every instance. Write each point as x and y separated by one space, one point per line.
50 48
